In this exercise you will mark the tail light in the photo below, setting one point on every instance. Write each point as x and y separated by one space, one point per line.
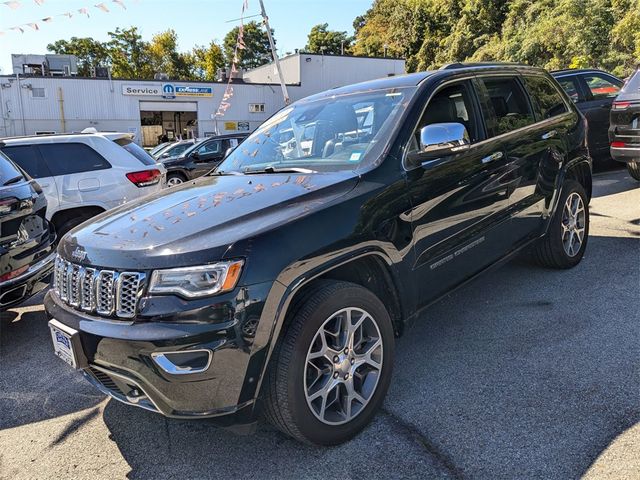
145 177
621 105
618 144
13 274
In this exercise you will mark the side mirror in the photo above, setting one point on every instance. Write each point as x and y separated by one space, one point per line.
195 156
440 139
228 152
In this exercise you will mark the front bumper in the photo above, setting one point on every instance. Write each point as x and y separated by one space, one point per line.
119 355
35 279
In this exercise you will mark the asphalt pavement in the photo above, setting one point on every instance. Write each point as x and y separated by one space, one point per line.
524 373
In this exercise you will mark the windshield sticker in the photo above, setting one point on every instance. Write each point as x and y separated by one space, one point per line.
355 157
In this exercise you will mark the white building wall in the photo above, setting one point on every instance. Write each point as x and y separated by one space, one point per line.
268 74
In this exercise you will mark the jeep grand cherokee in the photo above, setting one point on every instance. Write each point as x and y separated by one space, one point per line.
279 282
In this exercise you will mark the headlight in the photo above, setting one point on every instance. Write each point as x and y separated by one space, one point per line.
195 282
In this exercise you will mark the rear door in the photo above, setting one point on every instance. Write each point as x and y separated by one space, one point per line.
28 157
601 89
459 202
209 156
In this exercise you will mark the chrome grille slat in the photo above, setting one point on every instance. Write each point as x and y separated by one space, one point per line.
105 292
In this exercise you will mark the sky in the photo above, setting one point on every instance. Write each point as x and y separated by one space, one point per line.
196 22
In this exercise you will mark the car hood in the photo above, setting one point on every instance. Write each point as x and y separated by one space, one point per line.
199 221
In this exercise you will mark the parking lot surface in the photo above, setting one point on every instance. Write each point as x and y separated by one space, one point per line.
524 373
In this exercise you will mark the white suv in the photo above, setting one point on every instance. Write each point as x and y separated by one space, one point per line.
85 174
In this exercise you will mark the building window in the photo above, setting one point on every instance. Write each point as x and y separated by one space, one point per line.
37 92
256 108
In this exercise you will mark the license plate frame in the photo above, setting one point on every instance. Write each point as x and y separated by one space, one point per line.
66 344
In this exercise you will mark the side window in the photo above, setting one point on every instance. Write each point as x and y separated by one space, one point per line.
29 159
67 158
452 104
570 85
601 86
8 171
210 148
509 102
545 97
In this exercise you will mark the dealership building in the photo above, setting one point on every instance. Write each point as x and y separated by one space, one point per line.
40 100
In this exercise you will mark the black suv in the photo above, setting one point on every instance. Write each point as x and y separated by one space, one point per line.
593 92
281 279
26 238
199 159
624 130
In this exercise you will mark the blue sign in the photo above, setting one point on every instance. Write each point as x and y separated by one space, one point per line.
168 91
191 91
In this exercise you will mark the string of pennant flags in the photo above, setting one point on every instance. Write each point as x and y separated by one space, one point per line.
15 4
228 91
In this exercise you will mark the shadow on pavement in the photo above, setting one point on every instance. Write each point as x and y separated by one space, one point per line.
525 373
611 183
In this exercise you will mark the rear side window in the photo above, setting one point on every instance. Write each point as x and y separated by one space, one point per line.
545 97
29 159
135 150
602 86
8 171
570 85
66 158
510 104
210 148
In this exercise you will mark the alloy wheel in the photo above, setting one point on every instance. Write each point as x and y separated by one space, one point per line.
174 181
343 366
573 224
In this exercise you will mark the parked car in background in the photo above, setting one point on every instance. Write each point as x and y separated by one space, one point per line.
624 131
85 174
593 92
174 149
199 158
26 238
159 147
280 279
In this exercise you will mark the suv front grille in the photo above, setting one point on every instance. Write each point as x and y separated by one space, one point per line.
105 292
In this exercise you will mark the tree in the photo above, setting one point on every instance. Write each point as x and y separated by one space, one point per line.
90 53
257 50
164 56
323 40
129 54
205 61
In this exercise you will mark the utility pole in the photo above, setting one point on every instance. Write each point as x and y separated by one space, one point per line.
285 93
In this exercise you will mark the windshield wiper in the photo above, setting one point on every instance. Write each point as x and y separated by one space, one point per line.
222 172
272 169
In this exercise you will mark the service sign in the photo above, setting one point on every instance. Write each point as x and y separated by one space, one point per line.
167 90
142 90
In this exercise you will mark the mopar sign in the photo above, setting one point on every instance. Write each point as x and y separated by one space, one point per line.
168 91
189 91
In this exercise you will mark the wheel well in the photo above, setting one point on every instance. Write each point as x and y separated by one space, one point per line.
177 173
581 172
63 216
371 273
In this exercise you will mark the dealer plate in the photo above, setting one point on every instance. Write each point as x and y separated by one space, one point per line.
62 342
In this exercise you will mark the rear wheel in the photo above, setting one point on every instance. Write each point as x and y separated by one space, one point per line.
174 179
331 370
564 243
70 224
634 170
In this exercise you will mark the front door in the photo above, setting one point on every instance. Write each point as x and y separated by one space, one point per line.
209 156
459 202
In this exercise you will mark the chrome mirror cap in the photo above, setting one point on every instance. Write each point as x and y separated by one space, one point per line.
443 136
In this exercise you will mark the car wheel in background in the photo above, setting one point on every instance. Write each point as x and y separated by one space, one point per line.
331 370
70 225
174 179
634 170
566 239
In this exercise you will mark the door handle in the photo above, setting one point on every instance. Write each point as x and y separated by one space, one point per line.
492 158
44 185
549 134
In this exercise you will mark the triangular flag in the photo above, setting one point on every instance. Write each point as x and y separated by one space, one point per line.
13 4
102 7
47 19
120 2
66 14
33 25
39 2
17 28
84 11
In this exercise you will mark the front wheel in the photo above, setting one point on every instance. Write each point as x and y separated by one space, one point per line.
564 243
634 170
174 179
331 370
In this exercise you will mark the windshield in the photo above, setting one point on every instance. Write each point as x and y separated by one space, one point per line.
158 148
176 150
333 133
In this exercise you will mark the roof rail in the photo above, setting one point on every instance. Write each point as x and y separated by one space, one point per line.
452 66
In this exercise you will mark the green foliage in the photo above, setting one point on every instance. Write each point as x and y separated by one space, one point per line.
129 54
323 40
256 41
90 53
548 33
205 61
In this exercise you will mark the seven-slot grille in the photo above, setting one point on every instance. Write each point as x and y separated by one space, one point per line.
105 292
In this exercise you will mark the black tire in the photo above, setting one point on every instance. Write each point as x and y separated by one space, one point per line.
175 179
286 404
634 170
70 225
550 251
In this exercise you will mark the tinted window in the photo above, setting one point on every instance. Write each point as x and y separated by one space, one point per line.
66 158
570 85
510 104
452 104
209 148
545 97
8 171
29 159
135 150
601 86
177 149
